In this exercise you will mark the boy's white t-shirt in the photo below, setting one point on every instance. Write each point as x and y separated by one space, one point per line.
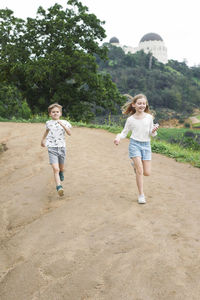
141 128
56 135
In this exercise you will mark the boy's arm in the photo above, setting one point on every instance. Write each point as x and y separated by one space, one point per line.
44 137
67 130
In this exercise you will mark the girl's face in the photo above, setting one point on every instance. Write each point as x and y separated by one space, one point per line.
55 113
140 105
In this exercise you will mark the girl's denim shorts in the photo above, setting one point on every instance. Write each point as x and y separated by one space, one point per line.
57 155
142 149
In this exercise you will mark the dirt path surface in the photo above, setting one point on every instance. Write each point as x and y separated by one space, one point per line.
194 120
96 242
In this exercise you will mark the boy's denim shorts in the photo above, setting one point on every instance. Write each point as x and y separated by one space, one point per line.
142 149
57 155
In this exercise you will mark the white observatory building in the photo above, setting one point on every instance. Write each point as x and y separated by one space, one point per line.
150 42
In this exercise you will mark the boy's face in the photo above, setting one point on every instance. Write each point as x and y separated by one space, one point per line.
55 113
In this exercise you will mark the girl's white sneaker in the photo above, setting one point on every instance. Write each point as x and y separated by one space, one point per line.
141 199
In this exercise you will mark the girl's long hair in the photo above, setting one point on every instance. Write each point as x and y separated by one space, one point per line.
128 109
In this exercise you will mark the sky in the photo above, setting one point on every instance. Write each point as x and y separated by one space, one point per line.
176 21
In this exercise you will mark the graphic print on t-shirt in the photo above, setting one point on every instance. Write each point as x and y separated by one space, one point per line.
56 135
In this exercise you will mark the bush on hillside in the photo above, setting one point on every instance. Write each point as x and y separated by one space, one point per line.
12 103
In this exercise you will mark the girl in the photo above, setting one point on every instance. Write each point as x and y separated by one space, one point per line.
140 123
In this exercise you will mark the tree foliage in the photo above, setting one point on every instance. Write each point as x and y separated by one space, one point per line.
12 103
174 85
51 59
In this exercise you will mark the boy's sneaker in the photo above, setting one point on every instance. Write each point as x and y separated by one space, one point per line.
60 190
61 174
141 199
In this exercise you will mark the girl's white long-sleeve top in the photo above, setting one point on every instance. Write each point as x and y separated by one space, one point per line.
141 128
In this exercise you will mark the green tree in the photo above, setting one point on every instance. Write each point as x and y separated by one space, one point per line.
12 103
173 85
51 58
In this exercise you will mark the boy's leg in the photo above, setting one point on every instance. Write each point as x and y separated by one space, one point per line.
56 170
139 173
61 172
53 160
59 187
61 167
61 161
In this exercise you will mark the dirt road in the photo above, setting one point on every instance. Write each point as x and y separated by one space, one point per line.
194 120
96 243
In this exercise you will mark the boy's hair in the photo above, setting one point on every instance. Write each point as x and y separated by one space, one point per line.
54 105
128 109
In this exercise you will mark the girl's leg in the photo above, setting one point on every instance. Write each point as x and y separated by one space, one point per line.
146 167
139 173
56 173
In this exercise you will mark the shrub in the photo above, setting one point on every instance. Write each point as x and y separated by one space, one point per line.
187 125
12 103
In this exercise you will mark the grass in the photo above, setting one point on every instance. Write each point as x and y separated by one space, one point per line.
175 131
34 119
196 125
184 137
164 143
178 153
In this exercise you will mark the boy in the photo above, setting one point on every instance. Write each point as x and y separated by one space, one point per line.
55 142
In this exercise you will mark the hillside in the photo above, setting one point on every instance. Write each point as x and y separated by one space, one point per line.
173 89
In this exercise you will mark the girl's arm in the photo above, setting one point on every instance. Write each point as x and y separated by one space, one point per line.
124 133
44 137
153 128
